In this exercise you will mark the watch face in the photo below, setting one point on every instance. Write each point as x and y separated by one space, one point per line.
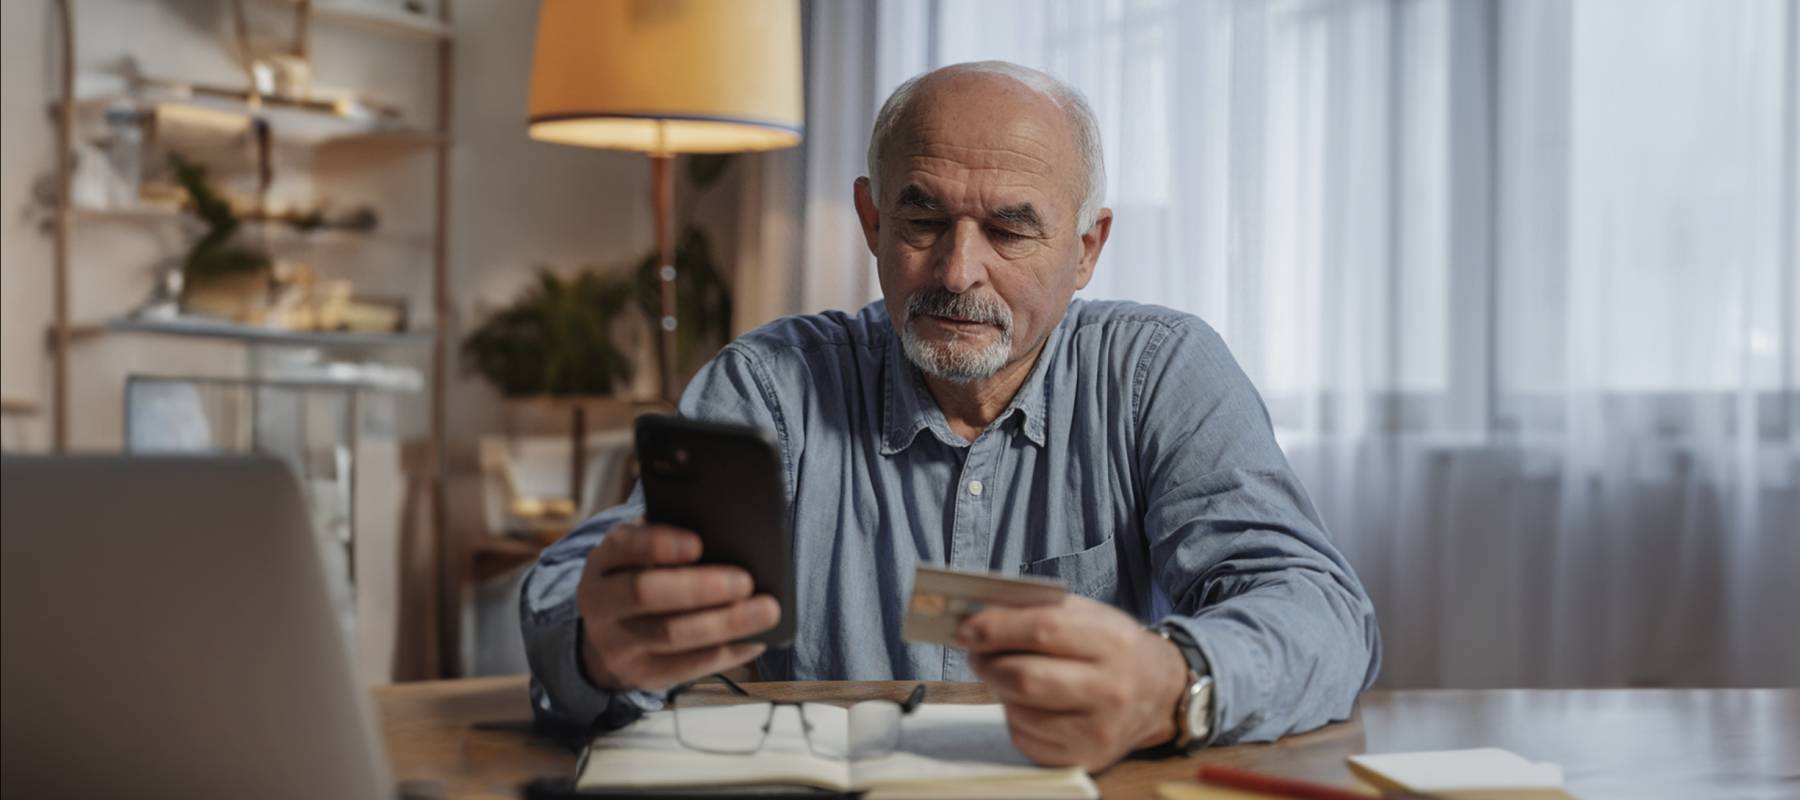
1199 707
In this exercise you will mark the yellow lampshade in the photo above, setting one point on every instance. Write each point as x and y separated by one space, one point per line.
668 76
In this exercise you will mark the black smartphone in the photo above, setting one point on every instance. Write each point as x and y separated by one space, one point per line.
723 482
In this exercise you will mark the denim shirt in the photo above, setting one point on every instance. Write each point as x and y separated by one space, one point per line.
1136 464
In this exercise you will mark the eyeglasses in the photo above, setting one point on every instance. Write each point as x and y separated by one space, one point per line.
715 715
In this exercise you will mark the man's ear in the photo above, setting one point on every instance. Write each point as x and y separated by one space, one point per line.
867 212
1093 240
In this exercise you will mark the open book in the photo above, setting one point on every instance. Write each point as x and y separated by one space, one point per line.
944 750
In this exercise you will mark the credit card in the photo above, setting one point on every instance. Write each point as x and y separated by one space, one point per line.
943 598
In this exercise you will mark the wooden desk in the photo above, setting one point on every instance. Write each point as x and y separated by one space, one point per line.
1701 743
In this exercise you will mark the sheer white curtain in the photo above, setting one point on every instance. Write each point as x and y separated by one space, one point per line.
1517 281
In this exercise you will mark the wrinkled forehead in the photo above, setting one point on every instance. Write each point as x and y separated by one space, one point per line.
989 139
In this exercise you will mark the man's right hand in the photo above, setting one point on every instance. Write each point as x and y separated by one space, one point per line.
651 621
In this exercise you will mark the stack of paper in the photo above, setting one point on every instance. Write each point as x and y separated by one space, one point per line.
1486 773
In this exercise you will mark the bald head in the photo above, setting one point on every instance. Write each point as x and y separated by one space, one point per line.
937 98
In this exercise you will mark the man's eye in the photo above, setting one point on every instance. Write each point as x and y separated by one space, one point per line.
923 225
1004 236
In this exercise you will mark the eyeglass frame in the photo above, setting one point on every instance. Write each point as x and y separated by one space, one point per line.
911 703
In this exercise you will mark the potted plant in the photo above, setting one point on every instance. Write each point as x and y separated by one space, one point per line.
555 339
222 276
553 348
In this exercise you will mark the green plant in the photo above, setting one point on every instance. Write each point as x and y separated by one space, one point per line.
216 254
556 338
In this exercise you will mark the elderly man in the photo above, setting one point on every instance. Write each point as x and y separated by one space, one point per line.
979 418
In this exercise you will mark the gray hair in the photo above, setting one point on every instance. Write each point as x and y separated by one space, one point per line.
1066 97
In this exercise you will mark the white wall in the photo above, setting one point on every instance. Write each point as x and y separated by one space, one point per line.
27 80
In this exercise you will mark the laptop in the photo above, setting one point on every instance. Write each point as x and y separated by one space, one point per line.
167 633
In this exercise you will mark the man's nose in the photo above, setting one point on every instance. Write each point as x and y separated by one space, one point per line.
961 266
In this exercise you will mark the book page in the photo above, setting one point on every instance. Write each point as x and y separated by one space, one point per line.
961 746
647 755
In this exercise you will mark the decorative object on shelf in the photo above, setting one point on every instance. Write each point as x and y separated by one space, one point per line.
285 72
164 302
225 277
218 253
303 302
523 481
222 276
521 508
705 76
368 314
125 154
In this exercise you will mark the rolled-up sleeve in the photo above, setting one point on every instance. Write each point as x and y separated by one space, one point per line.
730 388
1279 616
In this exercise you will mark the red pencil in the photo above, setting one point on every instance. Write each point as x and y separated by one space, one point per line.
1270 784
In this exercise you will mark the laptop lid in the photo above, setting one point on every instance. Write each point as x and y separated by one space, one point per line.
167 633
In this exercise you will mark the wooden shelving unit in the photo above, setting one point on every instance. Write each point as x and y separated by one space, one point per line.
305 124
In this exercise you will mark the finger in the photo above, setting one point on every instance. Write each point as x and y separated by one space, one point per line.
675 668
1041 751
1044 683
630 545
679 633
1050 630
1038 735
670 589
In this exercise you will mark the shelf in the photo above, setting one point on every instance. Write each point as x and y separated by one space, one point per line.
312 122
387 21
138 213
249 334
398 23
18 405
382 377
281 233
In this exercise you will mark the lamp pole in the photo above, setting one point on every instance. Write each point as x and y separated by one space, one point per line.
662 195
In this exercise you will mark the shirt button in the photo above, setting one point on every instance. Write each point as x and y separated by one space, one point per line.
975 488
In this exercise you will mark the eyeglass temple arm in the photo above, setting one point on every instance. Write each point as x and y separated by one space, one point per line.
729 683
732 684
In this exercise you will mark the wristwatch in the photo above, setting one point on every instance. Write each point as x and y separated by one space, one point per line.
1193 711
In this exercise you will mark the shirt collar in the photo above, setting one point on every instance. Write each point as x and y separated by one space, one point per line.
909 408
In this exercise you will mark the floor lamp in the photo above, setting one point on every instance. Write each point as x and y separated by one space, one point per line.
664 77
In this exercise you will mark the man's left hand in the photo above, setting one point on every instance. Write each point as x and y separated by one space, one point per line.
1083 683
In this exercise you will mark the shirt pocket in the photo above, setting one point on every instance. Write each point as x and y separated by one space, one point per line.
1093 572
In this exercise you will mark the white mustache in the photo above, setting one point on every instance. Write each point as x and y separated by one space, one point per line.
941 302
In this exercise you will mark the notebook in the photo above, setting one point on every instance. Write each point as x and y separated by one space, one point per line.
1486 773
944 750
